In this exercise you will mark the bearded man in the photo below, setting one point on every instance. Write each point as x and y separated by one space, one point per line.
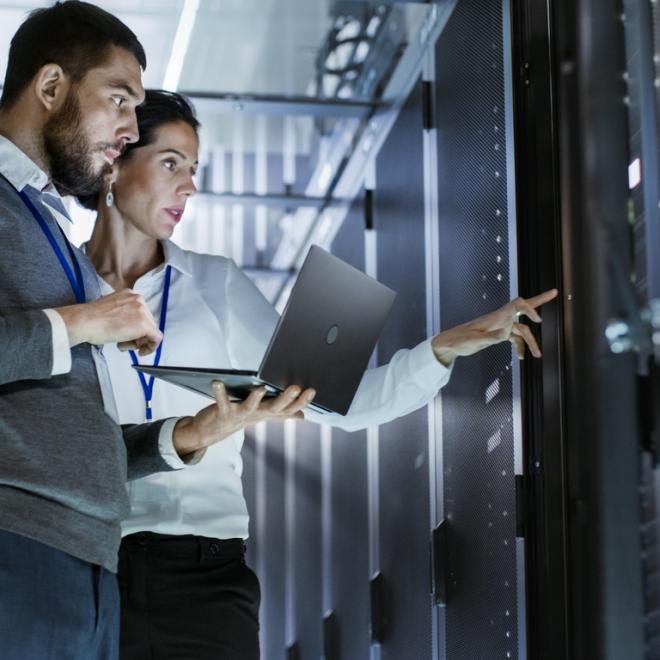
67 110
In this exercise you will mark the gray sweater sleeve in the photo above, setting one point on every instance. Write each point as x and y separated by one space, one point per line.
142 449
26 346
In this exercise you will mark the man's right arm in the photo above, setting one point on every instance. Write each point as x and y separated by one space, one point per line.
35 344
26 341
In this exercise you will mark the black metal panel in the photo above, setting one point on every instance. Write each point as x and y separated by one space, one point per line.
644 207
539 251
439 559
272 553
644 127
404 480
350 544
330 637
350 515
348 244
308 614
602 433
478 454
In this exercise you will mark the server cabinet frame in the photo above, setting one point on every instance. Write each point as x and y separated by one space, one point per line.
582 523
542 508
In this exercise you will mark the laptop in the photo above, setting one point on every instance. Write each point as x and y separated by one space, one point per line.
324 339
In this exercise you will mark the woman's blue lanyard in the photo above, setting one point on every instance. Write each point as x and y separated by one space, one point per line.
76 281
148 385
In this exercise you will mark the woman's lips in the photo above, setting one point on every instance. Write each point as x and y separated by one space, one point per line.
174 213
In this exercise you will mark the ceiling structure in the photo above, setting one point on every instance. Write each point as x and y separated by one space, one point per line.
293 97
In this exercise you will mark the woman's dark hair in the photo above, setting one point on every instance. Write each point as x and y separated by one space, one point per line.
76 35
158 109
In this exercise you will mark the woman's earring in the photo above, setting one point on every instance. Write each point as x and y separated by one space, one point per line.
109 198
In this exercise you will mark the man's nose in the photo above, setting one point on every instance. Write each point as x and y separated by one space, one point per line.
129 131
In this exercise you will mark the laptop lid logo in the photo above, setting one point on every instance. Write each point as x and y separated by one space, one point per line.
331 337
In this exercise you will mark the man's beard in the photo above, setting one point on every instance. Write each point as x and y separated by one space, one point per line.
69 152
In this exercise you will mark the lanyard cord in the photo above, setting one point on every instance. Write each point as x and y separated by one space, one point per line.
77 282
148 385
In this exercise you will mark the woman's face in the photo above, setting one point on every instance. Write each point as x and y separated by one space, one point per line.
155 181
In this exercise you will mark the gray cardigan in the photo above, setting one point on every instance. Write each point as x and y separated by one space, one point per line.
63 460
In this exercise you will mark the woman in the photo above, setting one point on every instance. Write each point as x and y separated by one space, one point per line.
186 591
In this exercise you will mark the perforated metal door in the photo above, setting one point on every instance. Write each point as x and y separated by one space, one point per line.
475 267
403 444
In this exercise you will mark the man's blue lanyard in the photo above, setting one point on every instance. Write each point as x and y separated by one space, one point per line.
76 280
148 385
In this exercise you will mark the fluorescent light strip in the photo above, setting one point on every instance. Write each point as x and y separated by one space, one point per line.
289 154
634 173
261 183
180 45
219 185
238 188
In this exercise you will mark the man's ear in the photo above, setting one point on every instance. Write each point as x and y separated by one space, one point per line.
51 86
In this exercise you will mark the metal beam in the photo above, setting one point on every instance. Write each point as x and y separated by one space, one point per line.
258 271
376 126
403 2
262 104
273 201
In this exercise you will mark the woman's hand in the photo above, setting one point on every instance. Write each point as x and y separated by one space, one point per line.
500 325
225 417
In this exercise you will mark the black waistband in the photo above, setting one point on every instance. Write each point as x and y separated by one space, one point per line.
184 546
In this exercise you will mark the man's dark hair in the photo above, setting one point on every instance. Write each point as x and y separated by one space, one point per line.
76 35
158 109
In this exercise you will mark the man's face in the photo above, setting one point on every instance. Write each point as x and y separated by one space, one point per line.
96 120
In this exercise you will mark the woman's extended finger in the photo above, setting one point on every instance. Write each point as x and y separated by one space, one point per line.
523 331
542 298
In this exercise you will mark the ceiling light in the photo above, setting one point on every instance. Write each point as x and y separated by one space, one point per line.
634 173
361 52
180 45
350 30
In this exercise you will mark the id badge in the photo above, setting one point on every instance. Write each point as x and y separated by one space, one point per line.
105 384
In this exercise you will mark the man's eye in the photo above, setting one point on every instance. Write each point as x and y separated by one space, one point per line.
118 100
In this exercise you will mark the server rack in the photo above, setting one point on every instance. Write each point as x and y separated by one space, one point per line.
347 614
525 541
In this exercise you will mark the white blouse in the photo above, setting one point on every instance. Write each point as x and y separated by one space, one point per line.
217 317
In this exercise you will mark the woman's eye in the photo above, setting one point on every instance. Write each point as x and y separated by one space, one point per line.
169 164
